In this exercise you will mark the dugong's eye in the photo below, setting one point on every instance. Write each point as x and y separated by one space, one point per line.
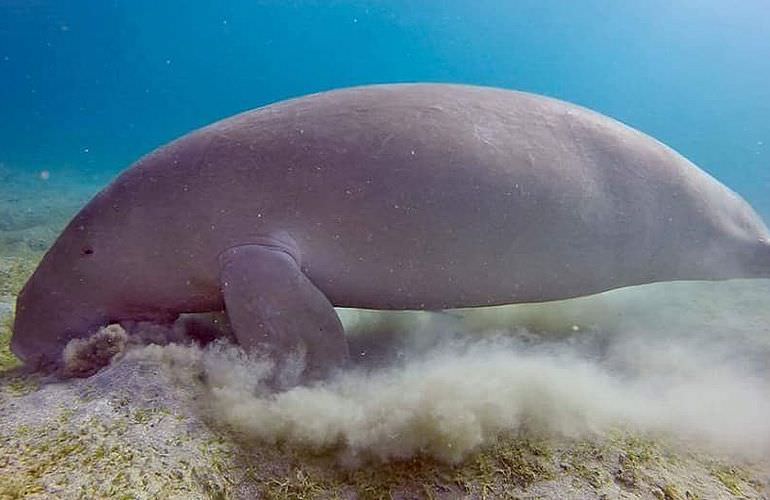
86 251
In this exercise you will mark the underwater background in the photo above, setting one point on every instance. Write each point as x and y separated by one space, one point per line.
660 391
89 86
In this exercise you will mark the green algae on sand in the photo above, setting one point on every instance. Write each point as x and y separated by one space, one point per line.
14 272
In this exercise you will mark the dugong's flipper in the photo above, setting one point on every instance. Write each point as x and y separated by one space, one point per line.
273 307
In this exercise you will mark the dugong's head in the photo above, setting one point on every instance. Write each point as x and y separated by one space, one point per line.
97 272
61 301
58 303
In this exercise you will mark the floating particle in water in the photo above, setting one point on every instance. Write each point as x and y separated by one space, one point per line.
45 175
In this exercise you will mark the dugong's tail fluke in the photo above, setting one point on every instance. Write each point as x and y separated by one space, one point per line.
762 260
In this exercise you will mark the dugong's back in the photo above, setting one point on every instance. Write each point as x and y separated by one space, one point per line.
411 196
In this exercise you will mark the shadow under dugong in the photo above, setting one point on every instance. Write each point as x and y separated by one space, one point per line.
410 196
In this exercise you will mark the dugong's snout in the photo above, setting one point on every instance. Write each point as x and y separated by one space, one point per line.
34 354
44 323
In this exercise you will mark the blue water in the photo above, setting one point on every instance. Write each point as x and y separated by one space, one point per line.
91 85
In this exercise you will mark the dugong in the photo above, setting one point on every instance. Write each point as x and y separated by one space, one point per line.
409 196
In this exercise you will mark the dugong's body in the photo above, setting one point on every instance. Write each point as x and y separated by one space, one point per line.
384 197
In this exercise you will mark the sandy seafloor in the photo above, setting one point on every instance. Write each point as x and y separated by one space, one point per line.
660 391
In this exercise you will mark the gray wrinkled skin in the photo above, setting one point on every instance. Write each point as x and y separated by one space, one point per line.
387 197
